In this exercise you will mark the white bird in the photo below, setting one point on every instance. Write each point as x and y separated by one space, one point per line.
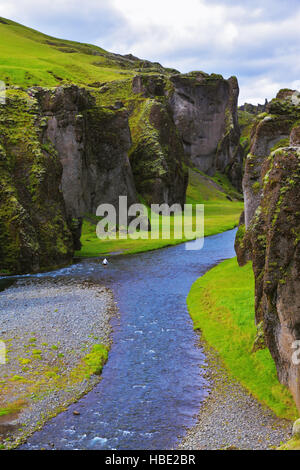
105 262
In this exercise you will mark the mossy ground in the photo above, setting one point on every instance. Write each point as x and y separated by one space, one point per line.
221 304
292 444
42 373
51 367
220 214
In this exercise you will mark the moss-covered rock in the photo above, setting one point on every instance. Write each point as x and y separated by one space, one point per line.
270 131
34 230
157 155
272 231
197 120
92 142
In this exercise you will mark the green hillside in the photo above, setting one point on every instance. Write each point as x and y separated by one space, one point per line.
30 58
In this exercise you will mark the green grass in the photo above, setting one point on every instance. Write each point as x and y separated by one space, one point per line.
12 408
221 304
96 359
220 214
28 58
292 444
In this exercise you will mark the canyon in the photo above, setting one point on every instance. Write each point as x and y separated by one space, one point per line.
68 149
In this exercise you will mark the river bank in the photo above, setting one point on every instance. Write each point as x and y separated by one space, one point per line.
221 305
144 400
231 418
247 407
57 335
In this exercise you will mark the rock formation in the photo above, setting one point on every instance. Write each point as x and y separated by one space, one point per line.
205 112
68 149
254 109
270 130
92 143
62 156
271 234
197 112
34 231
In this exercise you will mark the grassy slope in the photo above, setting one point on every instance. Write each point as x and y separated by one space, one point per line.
221 304
28 57
220 214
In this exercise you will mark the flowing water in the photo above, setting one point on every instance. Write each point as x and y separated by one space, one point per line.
152 385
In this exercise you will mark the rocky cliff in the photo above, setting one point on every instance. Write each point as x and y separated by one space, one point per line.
247 115
66 150
271 234
270 130
254 109
157 154
191 116
34 231
205 112
92 143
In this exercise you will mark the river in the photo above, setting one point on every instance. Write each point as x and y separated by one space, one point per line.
153 384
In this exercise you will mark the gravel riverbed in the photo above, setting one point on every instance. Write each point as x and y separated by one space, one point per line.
48 327
230 418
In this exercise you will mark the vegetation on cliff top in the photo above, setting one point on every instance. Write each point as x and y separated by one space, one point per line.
221 304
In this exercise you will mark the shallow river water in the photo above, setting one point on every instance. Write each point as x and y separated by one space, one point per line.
152 385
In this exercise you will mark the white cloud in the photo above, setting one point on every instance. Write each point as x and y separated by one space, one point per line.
162 26
256 90
257 40
7 9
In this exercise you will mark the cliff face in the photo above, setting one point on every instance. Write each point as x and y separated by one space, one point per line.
34 231
205 112
92 143
270 130
272 232
61 156
157 154
247 115
254 109
66 150
177 118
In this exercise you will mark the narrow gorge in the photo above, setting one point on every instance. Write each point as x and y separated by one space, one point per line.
141 342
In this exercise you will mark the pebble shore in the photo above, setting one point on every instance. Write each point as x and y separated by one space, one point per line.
48 325
230 418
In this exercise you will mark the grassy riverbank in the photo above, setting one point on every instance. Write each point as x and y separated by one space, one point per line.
221 304
222 209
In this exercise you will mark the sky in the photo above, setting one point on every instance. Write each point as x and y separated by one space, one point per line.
256 40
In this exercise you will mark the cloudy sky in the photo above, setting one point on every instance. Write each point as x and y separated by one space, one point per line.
256 40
